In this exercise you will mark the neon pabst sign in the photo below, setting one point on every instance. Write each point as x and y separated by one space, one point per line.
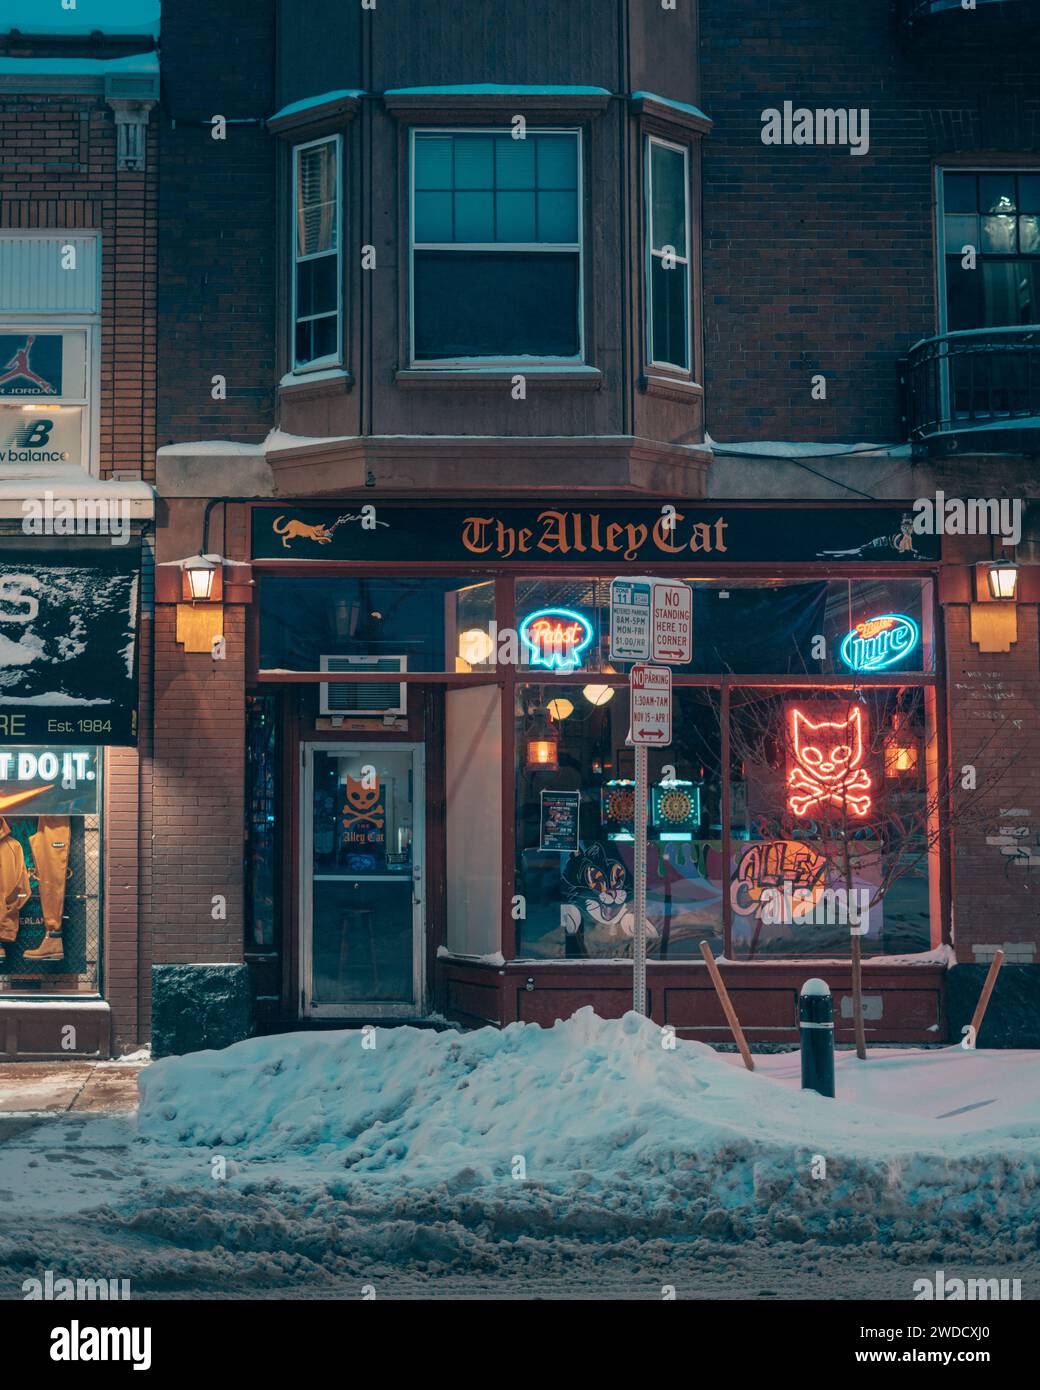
555 638
879 642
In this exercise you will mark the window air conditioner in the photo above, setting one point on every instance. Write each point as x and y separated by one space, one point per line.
364 698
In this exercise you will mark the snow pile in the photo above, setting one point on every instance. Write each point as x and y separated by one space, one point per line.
597 1120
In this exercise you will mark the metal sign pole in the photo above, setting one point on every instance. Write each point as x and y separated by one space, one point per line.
639 936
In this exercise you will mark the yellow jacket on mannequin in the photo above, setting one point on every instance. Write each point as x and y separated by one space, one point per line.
50 852
14 884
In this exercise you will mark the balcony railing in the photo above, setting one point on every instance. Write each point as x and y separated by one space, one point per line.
948 19
983 383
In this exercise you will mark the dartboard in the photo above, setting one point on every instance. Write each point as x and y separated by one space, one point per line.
676 807
621 805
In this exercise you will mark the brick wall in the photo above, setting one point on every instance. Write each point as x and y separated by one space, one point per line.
217 224
198 780
815 260
994 701
58 170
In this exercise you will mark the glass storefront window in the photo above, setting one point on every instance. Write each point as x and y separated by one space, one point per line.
261 818
422 624
745 626
50 870
578 898
830 822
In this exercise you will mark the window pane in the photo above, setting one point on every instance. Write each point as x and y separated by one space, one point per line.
960 193
433 161
433 217
668 206
316 199
495 304
579 901
557 161
316 286
1029 235
964 297
558 217
514 162
1029 192
863 835
961 231
324 335
997 192
473 156
475 216
515 219
998 235
669 307
1011 290
441 624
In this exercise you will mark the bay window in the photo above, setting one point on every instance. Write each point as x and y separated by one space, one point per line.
317 250
496 247
668 243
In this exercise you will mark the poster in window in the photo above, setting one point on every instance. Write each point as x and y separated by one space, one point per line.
559 820
30 364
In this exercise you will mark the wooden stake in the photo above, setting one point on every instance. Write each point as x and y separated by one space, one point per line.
727 1007
987 990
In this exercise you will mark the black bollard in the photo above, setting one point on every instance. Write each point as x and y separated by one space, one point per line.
816 1021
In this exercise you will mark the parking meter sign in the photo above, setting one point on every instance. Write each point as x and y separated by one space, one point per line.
630 602
671 622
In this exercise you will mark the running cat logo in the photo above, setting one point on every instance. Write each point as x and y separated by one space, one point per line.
300 530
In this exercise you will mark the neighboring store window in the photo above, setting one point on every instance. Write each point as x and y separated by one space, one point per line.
496 246
668 238
49 307
50 870
317 276
575 821
832 826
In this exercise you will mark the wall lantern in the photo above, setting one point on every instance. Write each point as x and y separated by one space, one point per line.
1002 578
199 574
900 753
542 747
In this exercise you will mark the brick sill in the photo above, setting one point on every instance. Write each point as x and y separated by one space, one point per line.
483 379
313 388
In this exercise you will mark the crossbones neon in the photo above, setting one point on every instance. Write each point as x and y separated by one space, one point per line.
828 767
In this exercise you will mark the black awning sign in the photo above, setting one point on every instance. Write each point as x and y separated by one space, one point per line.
68 645
623 536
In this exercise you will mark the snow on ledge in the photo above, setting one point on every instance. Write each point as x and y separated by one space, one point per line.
79 67
203 448
779 448
297 108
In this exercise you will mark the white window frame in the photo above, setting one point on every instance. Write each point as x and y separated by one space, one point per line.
62 321
686 260
568 248
330 359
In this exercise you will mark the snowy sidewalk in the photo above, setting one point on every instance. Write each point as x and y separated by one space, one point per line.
101 1088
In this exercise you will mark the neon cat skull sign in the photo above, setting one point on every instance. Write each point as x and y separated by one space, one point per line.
825 760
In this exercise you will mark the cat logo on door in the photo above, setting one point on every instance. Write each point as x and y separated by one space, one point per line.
363 818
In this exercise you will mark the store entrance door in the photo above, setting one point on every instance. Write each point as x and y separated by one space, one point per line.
362 886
